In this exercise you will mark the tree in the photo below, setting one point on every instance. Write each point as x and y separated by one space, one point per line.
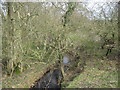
68 13
13 39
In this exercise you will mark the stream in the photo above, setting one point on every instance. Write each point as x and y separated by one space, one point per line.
51 79
54 78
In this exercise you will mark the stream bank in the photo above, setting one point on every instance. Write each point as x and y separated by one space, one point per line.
60 73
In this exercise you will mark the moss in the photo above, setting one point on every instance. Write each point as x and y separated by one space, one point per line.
95 76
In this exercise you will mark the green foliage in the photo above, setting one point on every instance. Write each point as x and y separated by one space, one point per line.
71 8
98 74
41 33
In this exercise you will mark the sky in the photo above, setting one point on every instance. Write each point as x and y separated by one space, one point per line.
91 5
97 7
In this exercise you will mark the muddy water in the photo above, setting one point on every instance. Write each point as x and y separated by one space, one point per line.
52 79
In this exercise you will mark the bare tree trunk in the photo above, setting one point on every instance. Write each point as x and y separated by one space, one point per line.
14 39
10 40
68 13
119 44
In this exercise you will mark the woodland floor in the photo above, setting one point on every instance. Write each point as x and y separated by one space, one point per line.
98 73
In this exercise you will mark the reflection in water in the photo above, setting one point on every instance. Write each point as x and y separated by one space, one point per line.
52 79
66 60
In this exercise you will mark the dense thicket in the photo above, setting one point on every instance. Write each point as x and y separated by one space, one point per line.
41 32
